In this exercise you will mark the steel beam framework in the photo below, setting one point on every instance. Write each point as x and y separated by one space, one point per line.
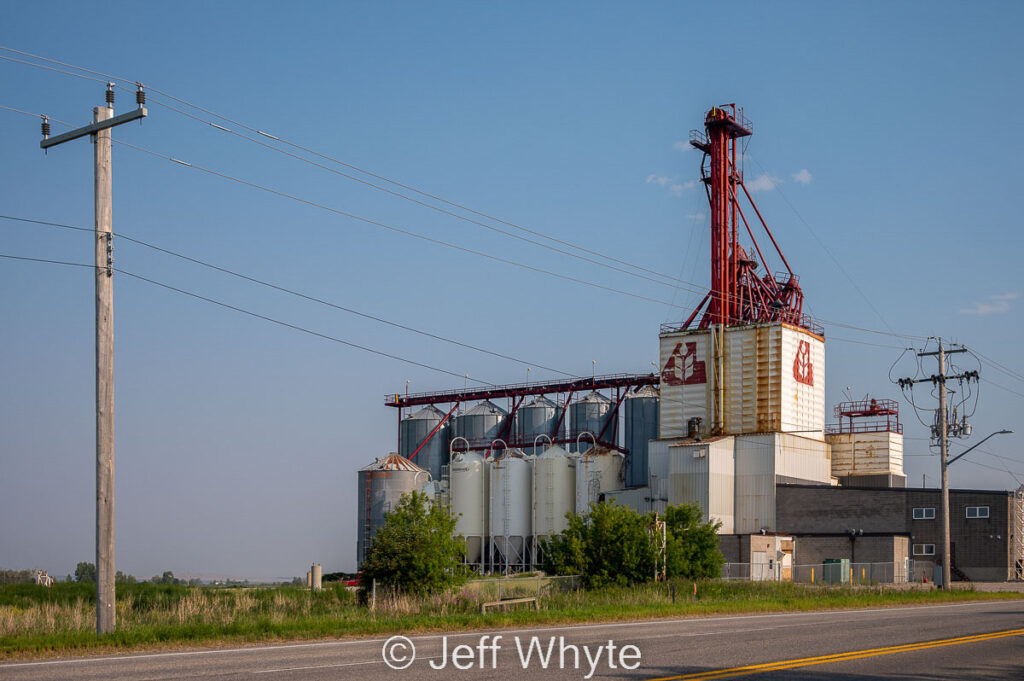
739 294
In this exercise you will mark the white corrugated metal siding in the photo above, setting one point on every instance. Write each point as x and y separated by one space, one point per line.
702 473
763 390
802 458
866 453
755 484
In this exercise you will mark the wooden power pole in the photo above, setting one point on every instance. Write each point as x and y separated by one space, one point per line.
941 432
103 120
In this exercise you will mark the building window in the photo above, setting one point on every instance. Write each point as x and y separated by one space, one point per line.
924 549
977 511
924 513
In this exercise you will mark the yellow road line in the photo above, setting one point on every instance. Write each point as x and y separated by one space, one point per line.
838 657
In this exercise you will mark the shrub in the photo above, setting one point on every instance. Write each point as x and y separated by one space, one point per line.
416 551
614 544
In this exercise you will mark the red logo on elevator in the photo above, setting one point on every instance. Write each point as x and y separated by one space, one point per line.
803 370
683 368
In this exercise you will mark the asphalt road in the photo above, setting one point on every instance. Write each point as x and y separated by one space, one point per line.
947 642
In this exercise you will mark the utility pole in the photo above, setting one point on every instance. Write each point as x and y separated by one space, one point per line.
941 431
103 120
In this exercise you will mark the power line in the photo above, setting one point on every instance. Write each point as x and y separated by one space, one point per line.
673 283
52 262
368 173
154 282
1003 387
384 225
49 68
298 294
297 327
999 367
448 244
698 288
826 249
257 315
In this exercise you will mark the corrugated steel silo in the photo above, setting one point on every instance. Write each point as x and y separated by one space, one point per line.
589 414
381 486
642 409
511 516
554 494
598 470
414 429
536 418
467 487
481 425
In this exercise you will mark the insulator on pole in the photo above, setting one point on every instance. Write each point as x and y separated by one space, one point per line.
140 95
46 128
110 95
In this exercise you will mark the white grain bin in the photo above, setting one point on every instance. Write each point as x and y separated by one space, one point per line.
511 516
468 494
381 486
554 494
598 470
434 491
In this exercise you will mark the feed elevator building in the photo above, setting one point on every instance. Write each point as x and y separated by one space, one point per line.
733 421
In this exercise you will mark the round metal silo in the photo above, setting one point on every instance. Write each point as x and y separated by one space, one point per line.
598 470
511 489
468 493
381 486
589 415
641 409
554 494
414 429
536 418
481 425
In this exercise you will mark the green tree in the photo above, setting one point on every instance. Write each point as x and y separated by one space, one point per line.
17 576
610 544
85 572
613 544
692 549
122 578
166 578
416 551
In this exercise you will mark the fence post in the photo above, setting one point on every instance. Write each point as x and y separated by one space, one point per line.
373 596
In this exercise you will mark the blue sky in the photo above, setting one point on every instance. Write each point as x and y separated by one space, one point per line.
885 146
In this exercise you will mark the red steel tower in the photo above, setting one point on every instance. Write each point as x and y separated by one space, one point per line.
739 293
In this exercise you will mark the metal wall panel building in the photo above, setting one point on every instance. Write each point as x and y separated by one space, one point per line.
773 379
866 453
702 473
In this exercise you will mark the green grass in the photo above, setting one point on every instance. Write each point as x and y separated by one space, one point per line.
37 621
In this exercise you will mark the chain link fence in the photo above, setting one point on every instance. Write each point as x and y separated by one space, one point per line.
832 572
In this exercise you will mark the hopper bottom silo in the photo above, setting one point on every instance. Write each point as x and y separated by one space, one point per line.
510 511
467 488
